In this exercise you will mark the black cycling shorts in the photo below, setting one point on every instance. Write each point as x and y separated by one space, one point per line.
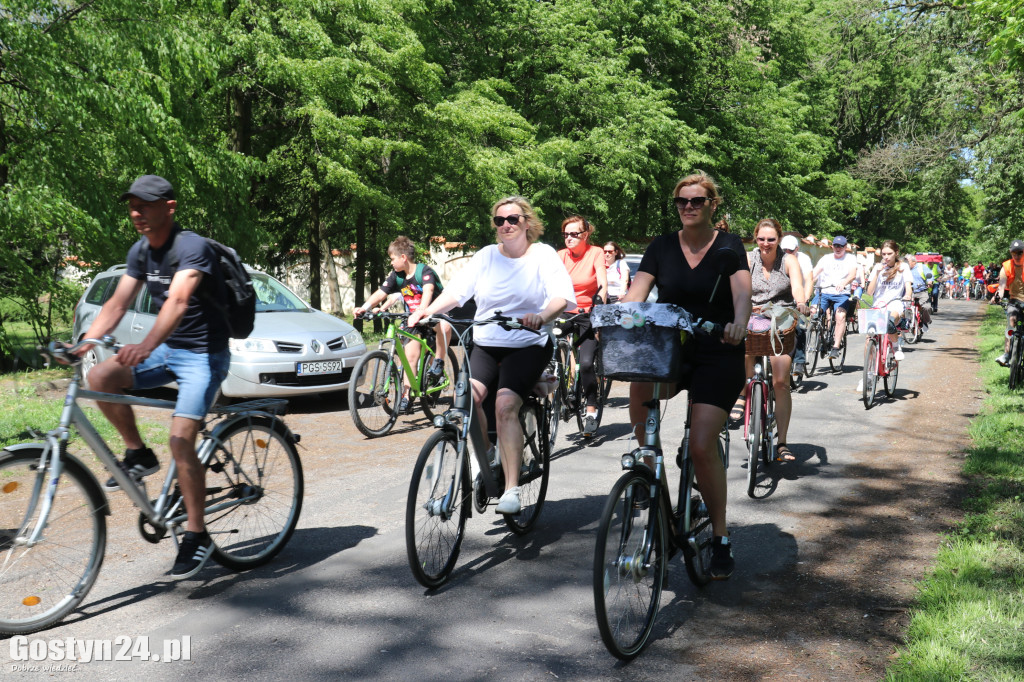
517 369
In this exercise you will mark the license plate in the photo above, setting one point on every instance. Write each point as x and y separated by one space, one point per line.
304 369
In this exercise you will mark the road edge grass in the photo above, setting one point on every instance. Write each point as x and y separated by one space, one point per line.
967 620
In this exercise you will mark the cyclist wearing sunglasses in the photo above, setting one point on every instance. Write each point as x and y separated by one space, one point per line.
585 265
617 271
704 271
521 278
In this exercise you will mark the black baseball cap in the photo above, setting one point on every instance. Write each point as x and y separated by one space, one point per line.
1017 245
154 188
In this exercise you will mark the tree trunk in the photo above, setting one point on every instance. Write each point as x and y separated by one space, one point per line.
359 266
315 257
333 290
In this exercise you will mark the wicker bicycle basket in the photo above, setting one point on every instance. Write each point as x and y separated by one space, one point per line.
761 340
640 341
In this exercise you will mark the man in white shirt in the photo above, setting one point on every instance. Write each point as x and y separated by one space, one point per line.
836 271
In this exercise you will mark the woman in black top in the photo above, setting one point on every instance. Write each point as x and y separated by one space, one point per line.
704 271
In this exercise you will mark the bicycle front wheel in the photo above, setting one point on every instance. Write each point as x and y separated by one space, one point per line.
438 392
1015 361
436 509
813 346
698 533
755 437
42 583
893 368
837 365
533 475
254 488
870 380
629 565
374 393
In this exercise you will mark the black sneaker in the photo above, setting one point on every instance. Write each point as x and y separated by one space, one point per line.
437 368
194 550
722 563
403 405
137 463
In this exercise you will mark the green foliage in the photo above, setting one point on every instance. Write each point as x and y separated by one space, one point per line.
294 127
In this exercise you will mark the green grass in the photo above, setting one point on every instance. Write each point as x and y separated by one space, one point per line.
25 411
968 622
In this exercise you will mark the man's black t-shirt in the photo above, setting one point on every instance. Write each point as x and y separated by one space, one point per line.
203 329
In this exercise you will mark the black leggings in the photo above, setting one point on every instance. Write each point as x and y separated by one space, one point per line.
585 352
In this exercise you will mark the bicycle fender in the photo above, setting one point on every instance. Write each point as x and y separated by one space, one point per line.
95 492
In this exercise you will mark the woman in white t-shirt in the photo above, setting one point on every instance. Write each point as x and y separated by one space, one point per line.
890 284
618 271
522 279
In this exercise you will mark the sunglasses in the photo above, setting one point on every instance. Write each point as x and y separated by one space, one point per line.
512 219
572 235
839 246
610 252
767 240
696 202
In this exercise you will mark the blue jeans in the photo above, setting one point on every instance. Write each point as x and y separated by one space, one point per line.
831 301
198 375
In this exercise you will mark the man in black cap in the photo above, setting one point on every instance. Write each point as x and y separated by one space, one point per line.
187 344
1010 280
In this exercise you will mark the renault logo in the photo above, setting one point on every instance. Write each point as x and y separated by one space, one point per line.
317 347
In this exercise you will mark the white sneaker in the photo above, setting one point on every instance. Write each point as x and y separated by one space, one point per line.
509 502
898 355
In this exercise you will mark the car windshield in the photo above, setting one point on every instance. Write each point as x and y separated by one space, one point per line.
272 296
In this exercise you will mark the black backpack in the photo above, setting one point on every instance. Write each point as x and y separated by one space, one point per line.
240 311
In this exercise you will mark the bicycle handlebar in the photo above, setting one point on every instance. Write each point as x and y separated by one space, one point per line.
62 352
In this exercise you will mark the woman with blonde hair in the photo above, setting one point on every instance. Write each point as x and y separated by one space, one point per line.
689 271
524 279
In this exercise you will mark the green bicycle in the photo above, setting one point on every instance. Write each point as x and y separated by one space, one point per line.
375 388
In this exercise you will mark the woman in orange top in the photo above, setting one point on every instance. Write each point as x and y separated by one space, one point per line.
585 263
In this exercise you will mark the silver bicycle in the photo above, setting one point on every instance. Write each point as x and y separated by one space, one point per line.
53 512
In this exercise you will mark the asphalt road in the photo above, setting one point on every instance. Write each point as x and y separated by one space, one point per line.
340 601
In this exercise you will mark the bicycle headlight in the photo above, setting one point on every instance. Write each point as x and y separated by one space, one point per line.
628 461
438 421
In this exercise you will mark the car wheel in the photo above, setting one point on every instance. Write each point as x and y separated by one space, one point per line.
89 360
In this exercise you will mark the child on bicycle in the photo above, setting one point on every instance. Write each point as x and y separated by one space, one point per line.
891 286
417 284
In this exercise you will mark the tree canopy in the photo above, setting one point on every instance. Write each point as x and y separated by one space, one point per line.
298 126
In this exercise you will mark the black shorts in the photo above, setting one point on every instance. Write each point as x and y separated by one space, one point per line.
714 376
517 369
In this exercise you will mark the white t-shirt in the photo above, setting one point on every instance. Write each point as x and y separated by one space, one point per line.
834 271
805 263
618 273
891 290
516 287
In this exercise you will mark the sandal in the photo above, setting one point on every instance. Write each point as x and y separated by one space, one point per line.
738 411
783 453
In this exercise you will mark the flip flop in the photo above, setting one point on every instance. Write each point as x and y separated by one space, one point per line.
783 453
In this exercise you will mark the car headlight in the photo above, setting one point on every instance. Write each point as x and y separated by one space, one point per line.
252 346
353 339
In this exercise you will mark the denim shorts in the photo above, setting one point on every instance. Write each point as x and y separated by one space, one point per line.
198 375
829 301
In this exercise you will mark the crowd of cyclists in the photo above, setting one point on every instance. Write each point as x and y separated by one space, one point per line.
522 277
701 267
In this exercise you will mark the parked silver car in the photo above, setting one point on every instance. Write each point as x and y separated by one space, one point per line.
633 261
293 349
